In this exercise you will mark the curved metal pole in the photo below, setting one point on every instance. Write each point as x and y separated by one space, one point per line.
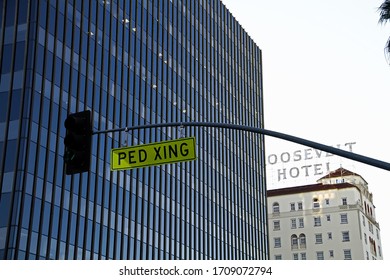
298 140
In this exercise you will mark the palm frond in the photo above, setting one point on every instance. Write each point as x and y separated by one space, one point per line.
384 11
387 51
384 17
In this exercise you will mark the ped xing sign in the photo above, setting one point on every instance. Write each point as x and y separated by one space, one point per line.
178 150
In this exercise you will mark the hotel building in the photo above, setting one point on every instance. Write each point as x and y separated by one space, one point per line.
331 220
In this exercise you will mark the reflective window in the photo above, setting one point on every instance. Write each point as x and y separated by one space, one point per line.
116 59
7 58
3 107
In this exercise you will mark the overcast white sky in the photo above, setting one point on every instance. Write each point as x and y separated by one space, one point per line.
326 79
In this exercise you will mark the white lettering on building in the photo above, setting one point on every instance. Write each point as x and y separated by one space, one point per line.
275 160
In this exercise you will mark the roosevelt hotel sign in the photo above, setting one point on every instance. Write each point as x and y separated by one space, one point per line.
302 164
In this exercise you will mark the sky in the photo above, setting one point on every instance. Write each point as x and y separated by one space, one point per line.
325 79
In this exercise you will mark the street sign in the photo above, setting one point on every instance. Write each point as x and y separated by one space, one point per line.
178 150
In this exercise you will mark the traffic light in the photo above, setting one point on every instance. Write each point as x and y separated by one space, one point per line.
78 142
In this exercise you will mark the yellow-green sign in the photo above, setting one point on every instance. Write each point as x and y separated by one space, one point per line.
178 150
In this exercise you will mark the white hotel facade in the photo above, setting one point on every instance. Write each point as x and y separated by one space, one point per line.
331 220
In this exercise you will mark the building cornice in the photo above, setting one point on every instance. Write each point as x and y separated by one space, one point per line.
309 188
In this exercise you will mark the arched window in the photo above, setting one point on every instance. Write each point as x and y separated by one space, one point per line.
372 246
294 241
302 241
316 203
275 207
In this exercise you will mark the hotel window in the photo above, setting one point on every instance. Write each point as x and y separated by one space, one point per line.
327 201
302 241
317 221
301 223
344 218
316 203
331 254
344 201
294 241
292 206
293 223
370 227
318 238
320 255
277 225
328 218
347 254
364 220
300 206
330 236
277 242
295 256
275 207
303 256
278 257
345 235
372 246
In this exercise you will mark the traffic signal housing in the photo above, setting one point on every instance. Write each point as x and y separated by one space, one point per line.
77 142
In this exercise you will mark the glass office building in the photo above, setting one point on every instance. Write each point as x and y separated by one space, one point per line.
130 63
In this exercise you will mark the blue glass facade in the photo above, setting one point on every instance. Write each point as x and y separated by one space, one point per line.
130 63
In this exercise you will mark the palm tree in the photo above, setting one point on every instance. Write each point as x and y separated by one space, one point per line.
384 17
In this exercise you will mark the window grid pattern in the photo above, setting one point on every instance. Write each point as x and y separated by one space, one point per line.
130 63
